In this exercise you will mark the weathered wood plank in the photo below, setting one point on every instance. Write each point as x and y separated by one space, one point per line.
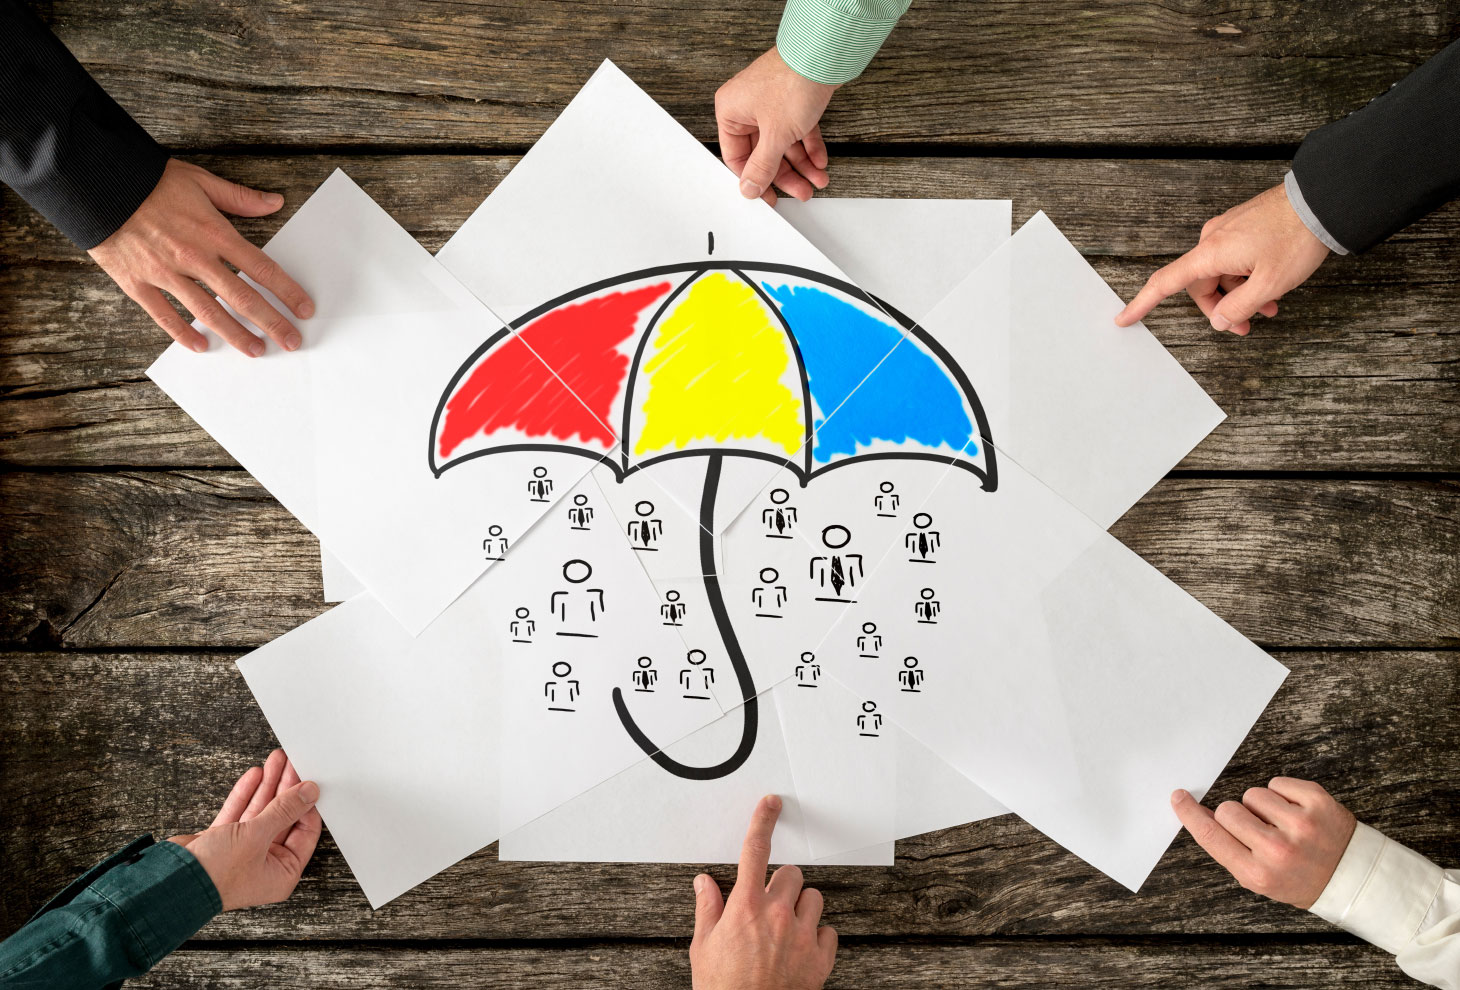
495 74
100 747
1361 371
209 559
1009 964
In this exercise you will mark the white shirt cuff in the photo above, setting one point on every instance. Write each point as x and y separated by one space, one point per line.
1306 214
1380 891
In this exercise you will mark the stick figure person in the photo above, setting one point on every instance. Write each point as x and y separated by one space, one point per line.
577 607
645 675
561 694
780 517
580 513
922 542
523 626
926 608
646 529
870 720
808 671
673 609
870 641
495 544
768 595
910 677
886 500
838 571
539 486
696 677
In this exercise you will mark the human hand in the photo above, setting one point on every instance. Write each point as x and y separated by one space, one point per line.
257 847
766 935
1281 841
178 238
767 114
1246 260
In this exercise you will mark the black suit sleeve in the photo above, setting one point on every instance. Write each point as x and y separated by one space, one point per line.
1383 167
65 146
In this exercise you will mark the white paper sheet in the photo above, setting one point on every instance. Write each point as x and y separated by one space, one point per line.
1063 675
400 734
339 430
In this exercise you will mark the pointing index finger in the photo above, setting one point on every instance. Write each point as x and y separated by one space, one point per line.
755 854
1220 844
1164 282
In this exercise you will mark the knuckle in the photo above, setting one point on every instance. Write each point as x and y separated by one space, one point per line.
1258 879
266 270
758 846
1253 792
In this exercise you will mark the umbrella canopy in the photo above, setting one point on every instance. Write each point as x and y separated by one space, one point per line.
744 359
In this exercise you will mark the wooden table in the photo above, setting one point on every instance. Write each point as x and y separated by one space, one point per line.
1322 518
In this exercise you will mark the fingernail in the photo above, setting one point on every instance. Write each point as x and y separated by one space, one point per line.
749 189
306 309
700 883
273 199
199 346
309 791
256 348
1177 796
292 342
773 802
1220 322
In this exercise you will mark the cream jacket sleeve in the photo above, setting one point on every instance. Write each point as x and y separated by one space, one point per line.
1392 896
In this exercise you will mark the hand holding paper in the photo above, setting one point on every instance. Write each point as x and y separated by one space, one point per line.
768 936
178 238
768 132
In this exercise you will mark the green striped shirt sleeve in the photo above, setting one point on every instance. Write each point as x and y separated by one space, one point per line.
831 41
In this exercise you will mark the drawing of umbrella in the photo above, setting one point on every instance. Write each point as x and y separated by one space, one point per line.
733 359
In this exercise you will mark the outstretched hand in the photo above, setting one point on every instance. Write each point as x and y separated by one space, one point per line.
767 115
257 847
766 936
1246 260
1281 841
178 238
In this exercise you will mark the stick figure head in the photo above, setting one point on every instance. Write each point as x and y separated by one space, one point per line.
672 595
494 530
562 668
645 662
577 571
927 594
886 487
539 472
695 657
922 520
779 496
580 499
522 611
769 574
644 508
869 706
808 656
835 537
869 627
909 662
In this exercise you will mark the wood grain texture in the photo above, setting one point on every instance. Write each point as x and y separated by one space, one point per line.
483 74
101 747
1004 964
210 559
1361 371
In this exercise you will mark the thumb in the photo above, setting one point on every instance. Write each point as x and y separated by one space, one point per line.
764 163
709 905
287 808
1242 303
241 201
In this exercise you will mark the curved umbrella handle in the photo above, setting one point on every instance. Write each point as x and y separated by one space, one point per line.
751 707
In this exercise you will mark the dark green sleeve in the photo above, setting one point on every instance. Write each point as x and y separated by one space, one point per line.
115 922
